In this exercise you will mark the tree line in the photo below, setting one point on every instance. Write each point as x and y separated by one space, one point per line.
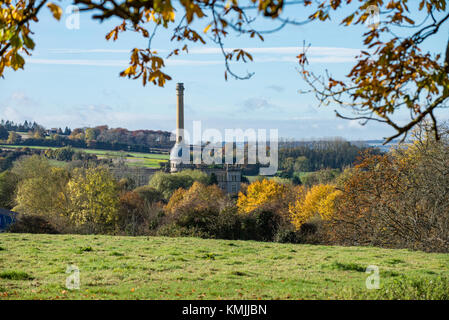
99 137
304 156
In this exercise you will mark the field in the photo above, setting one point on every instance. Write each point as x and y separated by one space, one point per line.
112 267
134 159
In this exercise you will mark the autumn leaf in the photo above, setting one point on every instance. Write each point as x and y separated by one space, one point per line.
207 28
55 10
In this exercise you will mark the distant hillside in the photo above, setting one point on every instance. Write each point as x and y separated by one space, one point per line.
100 137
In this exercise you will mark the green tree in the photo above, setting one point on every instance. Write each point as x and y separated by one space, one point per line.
3 133
31 167
65 153
212 179
8 184
302 164
91 134
324 176
148 194
42 192
167 183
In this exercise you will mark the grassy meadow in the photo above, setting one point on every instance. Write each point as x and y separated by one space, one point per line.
113 267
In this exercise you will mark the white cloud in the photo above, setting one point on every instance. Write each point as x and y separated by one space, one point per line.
258 104
79 51
261 55
119 63
79 62
355 124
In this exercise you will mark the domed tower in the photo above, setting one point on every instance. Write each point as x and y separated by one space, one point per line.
176 151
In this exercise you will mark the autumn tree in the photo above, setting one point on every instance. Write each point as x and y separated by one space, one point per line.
131 212
393 72
197 210
198 197
268 195
318 201
13 138
399 199
260 193
93 198
149 194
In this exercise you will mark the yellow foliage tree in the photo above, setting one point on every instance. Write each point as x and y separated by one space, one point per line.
197 198
261 193
93 197
319 200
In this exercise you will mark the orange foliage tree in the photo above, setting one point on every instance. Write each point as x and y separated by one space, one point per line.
198 197
399 199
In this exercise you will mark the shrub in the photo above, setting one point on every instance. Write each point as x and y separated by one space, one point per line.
260 225
309 233
174 230
32 224
149 194
228 224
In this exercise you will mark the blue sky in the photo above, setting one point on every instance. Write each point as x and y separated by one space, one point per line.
72 79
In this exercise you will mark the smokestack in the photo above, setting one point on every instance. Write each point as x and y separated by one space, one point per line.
180 112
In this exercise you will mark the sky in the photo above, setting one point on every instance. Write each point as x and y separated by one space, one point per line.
72 79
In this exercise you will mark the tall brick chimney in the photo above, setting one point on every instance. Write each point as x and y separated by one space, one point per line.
180 112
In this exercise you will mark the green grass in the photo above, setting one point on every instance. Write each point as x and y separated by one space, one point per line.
15 275
112 267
